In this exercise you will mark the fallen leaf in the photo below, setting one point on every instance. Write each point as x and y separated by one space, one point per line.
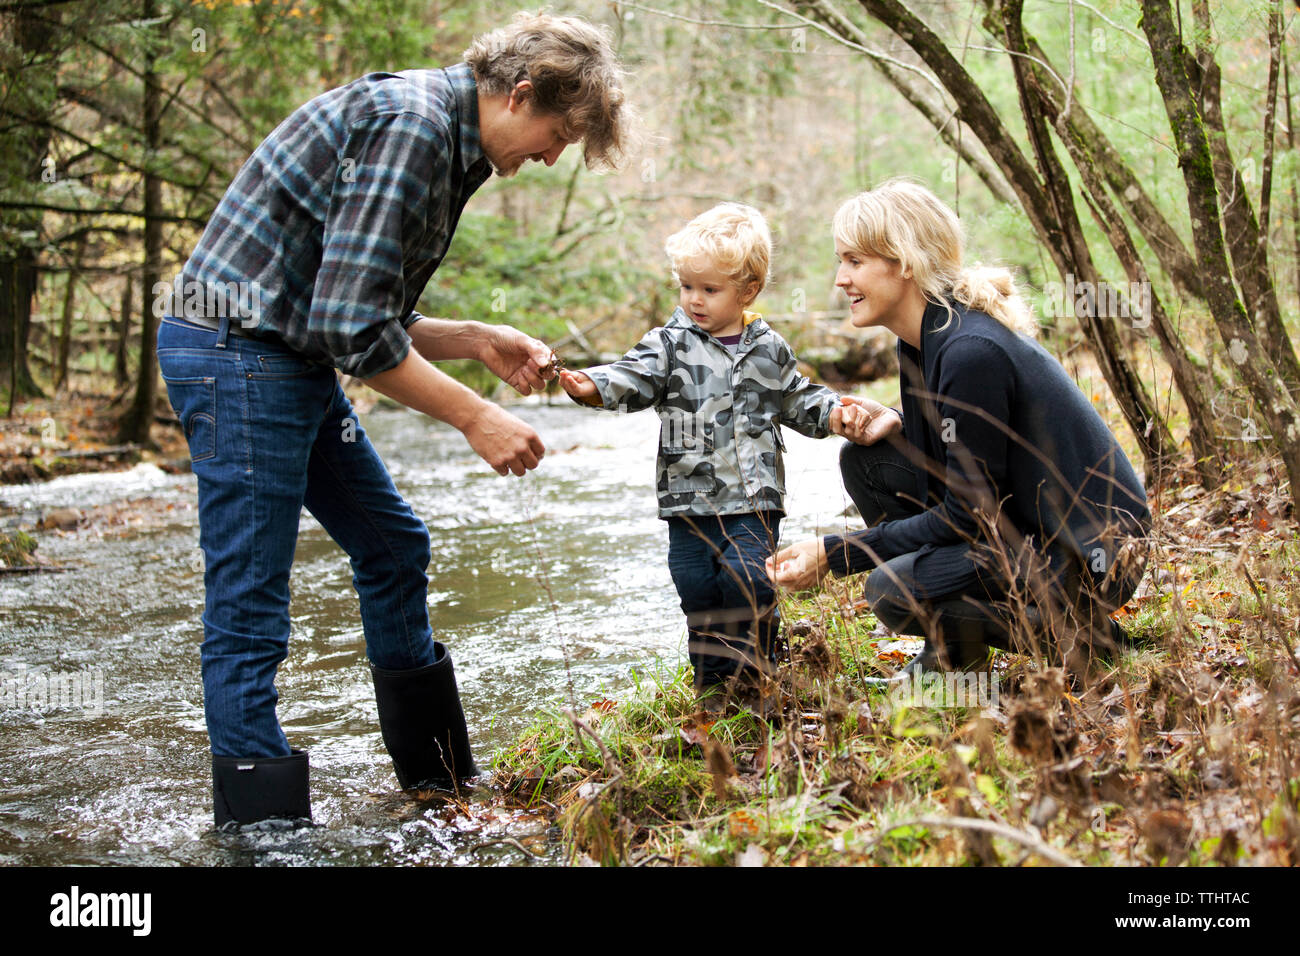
741 823
753 855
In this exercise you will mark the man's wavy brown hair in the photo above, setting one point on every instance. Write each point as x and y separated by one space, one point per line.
574 72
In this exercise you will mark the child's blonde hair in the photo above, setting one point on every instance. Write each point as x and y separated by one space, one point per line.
733 238
903 221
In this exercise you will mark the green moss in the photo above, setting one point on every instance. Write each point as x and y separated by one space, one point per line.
16 548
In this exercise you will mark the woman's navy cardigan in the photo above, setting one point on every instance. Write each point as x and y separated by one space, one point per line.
996 428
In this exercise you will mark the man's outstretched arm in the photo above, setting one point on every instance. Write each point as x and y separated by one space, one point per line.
499 438
514 357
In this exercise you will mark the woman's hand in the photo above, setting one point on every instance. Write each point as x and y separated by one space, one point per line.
799 566
863 421
579 386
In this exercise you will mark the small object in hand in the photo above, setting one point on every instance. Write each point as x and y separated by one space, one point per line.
554 366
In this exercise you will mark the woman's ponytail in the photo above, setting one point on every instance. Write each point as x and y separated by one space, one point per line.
992 290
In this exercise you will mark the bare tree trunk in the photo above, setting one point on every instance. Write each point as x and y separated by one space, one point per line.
1295 179
33 34
65 322
1270 121
136 422
1266 385
1050 101
1246 244
1187 377
17 287
1148 425
123 335
1170 250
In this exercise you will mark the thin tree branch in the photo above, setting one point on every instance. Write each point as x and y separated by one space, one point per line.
74 211
875 55
986 826
940 116
1270 120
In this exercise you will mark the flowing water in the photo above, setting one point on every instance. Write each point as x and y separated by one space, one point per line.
548 590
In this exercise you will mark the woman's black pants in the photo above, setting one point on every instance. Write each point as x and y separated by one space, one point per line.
942 591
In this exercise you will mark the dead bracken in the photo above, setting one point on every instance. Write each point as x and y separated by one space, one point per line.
1182 748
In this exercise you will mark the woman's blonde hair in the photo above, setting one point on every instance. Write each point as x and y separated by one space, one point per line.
574 72
733 238
903 221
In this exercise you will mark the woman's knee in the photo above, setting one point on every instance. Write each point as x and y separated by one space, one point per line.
854 460
893 604
875 476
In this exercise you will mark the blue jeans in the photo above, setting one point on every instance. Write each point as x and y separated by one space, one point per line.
270 433
717 565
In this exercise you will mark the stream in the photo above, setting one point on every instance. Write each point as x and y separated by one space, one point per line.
548 589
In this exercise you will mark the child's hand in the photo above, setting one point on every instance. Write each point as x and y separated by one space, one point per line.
863 421
580 387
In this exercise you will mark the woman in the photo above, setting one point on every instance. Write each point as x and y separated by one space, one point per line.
997 494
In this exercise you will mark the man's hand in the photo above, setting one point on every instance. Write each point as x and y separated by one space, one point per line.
503 441
863 421
579 386
515 358
799 566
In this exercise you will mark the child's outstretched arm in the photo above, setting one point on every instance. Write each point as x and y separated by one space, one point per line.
808 408
816 411
634 382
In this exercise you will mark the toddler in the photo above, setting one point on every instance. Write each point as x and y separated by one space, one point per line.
723 383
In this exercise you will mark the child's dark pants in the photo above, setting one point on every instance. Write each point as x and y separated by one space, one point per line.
717 563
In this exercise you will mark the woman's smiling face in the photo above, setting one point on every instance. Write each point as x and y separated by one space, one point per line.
876 287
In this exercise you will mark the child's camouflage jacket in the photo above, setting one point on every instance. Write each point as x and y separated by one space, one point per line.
720 413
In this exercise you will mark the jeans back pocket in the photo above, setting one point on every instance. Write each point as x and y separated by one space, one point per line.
195 402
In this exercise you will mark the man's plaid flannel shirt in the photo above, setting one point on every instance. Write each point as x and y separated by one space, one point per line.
343 213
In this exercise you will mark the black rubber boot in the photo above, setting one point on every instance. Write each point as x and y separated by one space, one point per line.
944 657
939 656
423 724
249 790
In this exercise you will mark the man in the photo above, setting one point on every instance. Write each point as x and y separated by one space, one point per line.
325 239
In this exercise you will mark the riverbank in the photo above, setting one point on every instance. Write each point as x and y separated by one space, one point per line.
74 433
1184 749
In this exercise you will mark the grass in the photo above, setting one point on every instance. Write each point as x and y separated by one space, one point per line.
1180 750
